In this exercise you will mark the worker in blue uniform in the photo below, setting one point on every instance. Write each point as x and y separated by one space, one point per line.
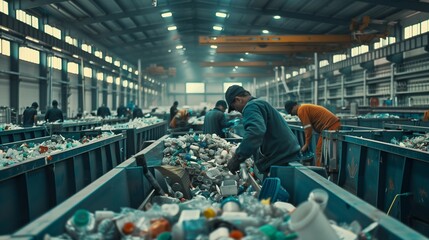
215 119
267 135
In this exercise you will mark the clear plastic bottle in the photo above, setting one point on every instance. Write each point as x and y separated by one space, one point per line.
81 224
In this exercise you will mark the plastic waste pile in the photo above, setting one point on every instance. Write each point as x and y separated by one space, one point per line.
378 115
418 142
196 120
30 150
290 118
237 217
9 126
134 123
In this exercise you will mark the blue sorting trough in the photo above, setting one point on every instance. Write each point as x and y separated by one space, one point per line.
410 128
22 134
126 186
375 122
385 175
32 187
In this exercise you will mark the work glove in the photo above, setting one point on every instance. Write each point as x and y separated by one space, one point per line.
234 164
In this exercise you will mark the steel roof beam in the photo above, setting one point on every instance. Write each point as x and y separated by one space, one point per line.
237 75
231 10
401 4
276 49
263 64
28 4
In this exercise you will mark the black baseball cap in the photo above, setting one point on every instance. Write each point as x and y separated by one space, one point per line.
289 105
221 103
231 93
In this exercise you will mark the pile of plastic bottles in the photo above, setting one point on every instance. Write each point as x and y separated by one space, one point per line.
238 217
9 126
134 123
290 118
30 150
378 115
418 142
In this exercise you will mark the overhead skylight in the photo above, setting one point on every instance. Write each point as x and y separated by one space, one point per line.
221 14
166 14
217 28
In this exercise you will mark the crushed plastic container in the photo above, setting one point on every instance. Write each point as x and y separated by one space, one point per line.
272 189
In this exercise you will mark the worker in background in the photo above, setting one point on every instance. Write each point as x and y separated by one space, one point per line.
173 110
137 112
54 114
203 112
215 119
131 106
103 111
266 133
426 116
29 117
122 111
180 120
313 117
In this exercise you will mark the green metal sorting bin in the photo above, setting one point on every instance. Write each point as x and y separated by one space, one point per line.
22 134
376 171
32 187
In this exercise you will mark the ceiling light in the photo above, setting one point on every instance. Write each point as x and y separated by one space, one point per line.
212 60
221 14
172 28
213 46
31 39
217 28
241 59
169 50
166 14
277 17
246 53
265 31
236 67
179 46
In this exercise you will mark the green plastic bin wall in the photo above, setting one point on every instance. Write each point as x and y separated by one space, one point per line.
342 207
409 128
127 187
79 126
22 134
377 171
29 189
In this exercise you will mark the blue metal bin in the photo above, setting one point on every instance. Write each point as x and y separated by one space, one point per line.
22 134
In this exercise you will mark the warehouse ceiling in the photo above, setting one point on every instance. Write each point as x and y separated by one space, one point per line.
144 29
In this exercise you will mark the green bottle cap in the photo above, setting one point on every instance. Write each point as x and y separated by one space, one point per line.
268 230
81 217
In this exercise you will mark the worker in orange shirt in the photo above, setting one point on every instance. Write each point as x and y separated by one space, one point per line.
426 116
180 120
313 117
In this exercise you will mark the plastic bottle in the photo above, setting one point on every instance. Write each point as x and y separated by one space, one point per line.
81 224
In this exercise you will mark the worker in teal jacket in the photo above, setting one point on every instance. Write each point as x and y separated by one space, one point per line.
266 133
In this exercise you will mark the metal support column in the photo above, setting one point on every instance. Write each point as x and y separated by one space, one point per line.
325 90
254 86
115 104
43 82
94 91
139 95
14 77
65 87
268 90
276 82
342 90
80 88
105 90
365 75
392 84
316 78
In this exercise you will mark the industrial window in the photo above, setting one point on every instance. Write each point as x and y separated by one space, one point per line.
72 41
288 76
226 85
27 18
87 72
53 31
323 63
73 67
4 7
359 50
384 42
195 88
55 61
125 83
98 54
86 48
29 55
118 81
130 69
294 73
339 57
109 79
108 59
136 87
131 85
100 76
302 70
125 66
425 26
416 29
5 47
117 63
